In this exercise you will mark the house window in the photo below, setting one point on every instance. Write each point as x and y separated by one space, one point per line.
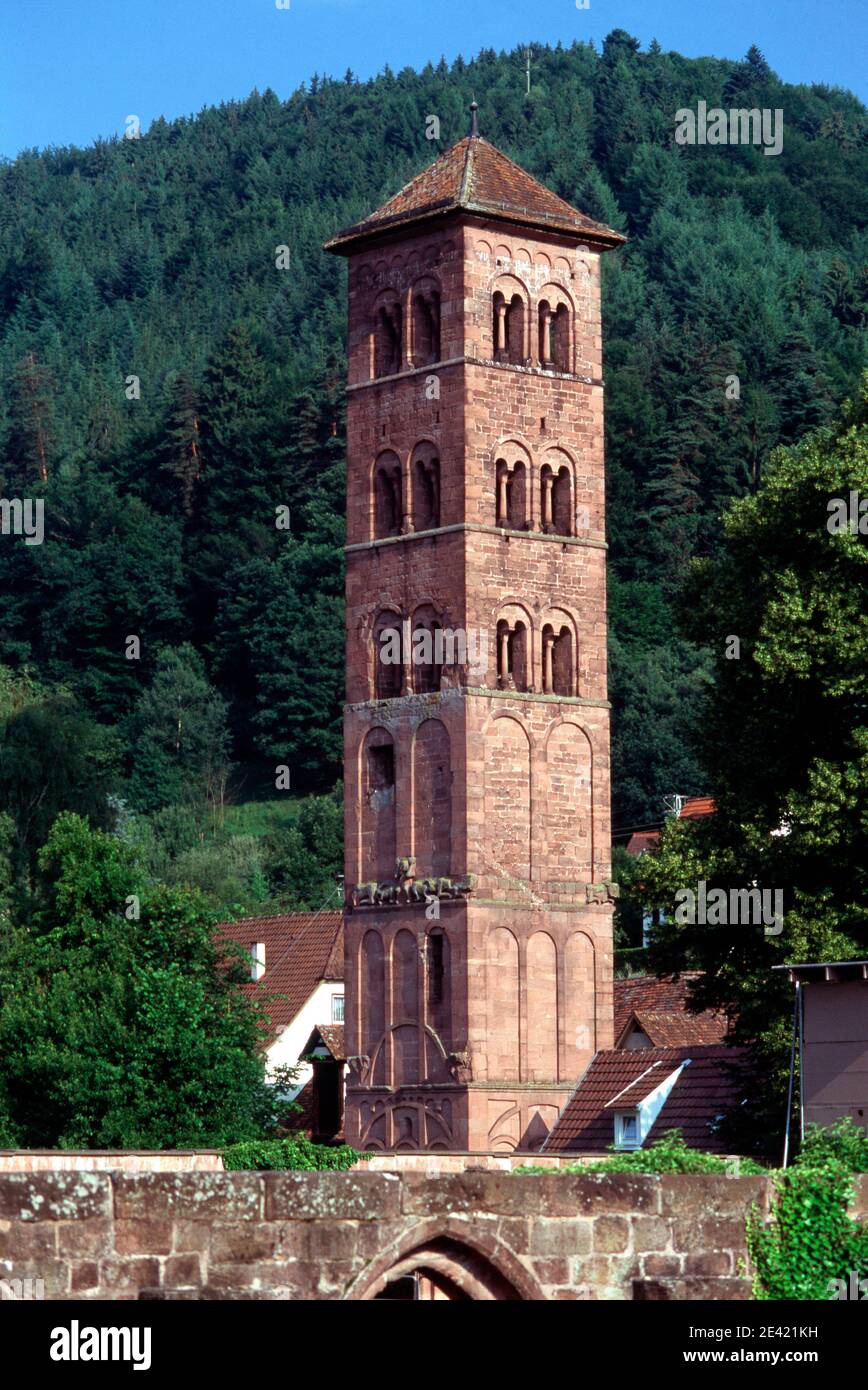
627 1130
337 1008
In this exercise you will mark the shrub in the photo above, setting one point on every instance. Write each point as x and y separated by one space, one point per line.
669 1154
810 1239
843 1142
296 1152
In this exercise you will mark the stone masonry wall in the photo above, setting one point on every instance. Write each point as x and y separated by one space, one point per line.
94 1235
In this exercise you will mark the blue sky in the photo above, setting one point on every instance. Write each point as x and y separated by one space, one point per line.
73 70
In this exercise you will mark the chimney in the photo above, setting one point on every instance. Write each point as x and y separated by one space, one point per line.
257 960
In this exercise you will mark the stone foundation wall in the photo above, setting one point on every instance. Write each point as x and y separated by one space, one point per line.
93 1235
121 1235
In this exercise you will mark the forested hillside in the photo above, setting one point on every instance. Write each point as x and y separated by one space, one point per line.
165 386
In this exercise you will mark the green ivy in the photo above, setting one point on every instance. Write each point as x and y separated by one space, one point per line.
810 1238
295 1152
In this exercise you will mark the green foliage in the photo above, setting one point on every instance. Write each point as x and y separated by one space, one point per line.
260 857
669 1154
117 1030
783 732
844 1142
53 757
301 861
810 1239
160 510
295 1152
179 736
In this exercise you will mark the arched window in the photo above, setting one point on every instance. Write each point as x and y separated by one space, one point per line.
513 655
388 338
561 335
388 504
426 492
544 314
388 657
558 665
427 651
511 483
556 512
426 327
508 328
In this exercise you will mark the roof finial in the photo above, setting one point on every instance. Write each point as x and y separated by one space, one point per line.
474 127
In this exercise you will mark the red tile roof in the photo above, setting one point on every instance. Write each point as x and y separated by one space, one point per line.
332 1037
642 840
692 808
474 176
659 1007
301 949
706 1088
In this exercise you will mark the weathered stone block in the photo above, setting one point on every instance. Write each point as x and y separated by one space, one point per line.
611 1235
140 1237
562 1236
192 1196
339 1196
181 1270
54 1196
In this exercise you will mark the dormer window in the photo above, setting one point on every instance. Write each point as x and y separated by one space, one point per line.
257 960
627 1129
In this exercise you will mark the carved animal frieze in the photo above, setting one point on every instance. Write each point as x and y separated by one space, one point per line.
602 892
407 889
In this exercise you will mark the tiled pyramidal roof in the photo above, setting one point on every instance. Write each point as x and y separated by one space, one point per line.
474 176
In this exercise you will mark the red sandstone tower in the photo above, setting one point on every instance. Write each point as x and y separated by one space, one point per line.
476 750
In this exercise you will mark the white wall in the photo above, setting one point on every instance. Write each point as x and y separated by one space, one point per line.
285 1049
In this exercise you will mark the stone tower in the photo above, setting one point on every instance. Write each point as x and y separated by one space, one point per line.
476 750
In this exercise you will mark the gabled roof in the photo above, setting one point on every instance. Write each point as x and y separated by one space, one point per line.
331 1037
301 950
659 1008
706 1088
473 176
635 1092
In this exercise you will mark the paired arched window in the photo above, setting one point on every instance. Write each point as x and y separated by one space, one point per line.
522 666
393 513
514 323
408 658
525 501
405 328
